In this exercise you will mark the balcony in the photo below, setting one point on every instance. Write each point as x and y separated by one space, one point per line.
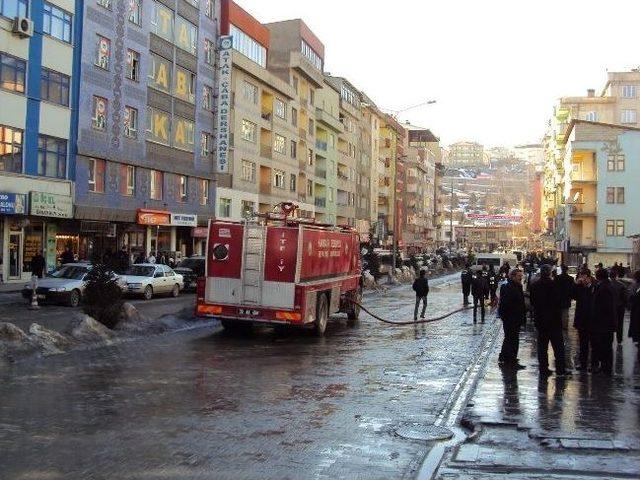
266 151
583 210
584 178
321 145
329 120
321 202
321 172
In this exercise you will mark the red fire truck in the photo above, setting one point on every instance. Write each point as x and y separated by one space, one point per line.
277 270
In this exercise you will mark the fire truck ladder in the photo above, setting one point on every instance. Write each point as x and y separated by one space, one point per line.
252 263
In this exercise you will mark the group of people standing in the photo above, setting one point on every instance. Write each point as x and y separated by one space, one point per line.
601 303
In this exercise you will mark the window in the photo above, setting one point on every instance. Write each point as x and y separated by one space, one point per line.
224 207
330 195
182 188
619 194
10 149
127 180
615 162
207 97
310 188
56 22
312 56
13 8
294 117
135 11
332 140
611 194
184 86
278 178
99 118
250 92
54 87
611 228
162 21
619 228
294 81
280 108
12 73
186 35
294 149
309 157
248 171
247 208
206 143
628 91
208 8
591 117
193 2
130 122
249 131
105 3
103 52
133 65
312 127
209 52
204 191
183 134
159 73
157 181
293 181
247 46
615 228
350 96
628 116
97 169
158 126
279 144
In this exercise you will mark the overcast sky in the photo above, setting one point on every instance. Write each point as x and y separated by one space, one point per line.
495 67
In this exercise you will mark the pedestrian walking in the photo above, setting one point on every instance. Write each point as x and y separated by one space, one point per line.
151 258
603 324
38 264
492 277
123 259
620 297
545 299
421 287
564 286
511 310
466 278
583 295
634 321
479 291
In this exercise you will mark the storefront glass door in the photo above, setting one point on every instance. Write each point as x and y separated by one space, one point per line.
15 255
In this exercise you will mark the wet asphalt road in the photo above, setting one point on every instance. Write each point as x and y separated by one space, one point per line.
207 404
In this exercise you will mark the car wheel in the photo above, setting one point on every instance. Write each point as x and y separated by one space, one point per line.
148 292
175 291
74 298
353 314
322 316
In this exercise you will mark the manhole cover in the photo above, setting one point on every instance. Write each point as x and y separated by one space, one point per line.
424 432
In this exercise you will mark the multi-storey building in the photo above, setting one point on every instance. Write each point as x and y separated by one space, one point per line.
39 84
602 165
372 120
466 154
390 187
145 126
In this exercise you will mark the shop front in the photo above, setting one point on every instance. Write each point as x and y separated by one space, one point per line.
168 235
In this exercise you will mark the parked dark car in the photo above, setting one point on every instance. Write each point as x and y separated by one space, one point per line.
191 268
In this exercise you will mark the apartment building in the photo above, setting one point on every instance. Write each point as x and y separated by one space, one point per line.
145 158
466 154
372 121
390 180
39 84
602 162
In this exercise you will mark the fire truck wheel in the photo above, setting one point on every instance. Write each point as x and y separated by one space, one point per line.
354 312
322 315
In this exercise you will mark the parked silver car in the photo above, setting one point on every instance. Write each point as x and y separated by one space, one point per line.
148 279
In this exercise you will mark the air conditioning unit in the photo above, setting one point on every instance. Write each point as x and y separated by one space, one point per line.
23 27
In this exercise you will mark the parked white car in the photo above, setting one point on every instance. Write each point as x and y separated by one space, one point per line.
149 279
65 285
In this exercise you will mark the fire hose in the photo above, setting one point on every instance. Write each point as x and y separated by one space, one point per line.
411 322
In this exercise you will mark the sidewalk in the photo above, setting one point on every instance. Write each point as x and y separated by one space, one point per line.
583 426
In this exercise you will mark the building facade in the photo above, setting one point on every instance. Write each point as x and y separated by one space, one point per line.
466 154
39 83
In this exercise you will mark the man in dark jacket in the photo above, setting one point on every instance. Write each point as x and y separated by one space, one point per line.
421 287
492 278
545 299
479 291
512 312
634 302
583 295
38 264
67 256
466 278
620 297
603 323
564 286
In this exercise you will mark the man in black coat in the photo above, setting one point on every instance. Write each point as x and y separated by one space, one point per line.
583 295
38 264
466 278
545 299
479 291
421 287
564 287
620 297
603 324
512 312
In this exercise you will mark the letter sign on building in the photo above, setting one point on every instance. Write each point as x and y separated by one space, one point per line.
224 102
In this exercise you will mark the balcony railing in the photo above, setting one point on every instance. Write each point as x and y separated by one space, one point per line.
321 172
320 145
321 202
583 209
266 151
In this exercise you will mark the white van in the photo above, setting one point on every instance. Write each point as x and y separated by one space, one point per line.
496 259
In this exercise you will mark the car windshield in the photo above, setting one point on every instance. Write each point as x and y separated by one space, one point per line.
71 272
191 263
141 271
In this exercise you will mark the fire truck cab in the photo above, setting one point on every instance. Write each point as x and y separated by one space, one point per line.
276 270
